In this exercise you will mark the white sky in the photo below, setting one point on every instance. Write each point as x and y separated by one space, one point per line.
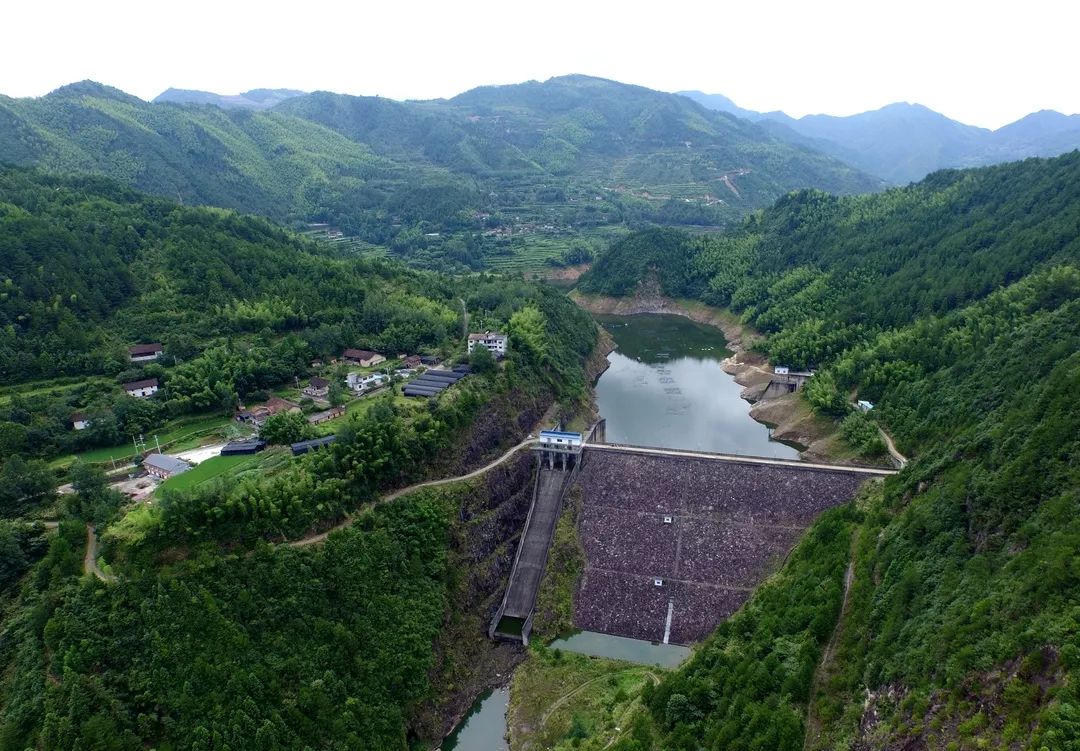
985 63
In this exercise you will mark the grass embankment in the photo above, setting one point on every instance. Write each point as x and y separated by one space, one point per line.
176 435
554 613
51 386
563 700
208 470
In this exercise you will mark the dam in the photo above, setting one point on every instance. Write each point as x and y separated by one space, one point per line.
675 541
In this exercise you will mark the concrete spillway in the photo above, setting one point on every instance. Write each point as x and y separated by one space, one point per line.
514 617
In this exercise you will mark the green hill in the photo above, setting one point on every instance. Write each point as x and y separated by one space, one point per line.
205 635
954 306
440 182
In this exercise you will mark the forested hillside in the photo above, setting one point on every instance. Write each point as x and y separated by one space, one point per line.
443 183
241 306
953 305
208 631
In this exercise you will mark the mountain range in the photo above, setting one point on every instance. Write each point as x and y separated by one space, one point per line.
569 153
904 142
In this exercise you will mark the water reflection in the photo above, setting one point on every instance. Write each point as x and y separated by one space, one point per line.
484 728
620 648
665 388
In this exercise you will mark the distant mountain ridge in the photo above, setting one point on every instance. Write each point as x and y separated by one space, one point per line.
903 142
561 156
256 99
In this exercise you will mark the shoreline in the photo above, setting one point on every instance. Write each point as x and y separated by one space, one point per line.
789 417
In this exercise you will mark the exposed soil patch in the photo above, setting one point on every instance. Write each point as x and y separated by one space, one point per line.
647 298
564 274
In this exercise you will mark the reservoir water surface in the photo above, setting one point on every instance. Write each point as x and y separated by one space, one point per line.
665 388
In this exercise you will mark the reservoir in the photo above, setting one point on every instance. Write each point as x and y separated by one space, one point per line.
665 388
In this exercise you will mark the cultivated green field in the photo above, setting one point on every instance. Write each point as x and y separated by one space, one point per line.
178 435
219 466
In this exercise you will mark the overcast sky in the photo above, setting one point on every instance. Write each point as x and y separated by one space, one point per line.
985 63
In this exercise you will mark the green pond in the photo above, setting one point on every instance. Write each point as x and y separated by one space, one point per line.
665 388
620 648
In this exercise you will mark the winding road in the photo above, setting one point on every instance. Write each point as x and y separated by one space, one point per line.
321 536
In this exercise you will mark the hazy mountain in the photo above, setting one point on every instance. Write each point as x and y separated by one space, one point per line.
256 99
903 142
721 103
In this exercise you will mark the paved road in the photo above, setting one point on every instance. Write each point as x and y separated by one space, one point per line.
321 536
791 463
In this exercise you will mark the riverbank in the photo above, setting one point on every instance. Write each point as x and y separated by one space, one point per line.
648 299
793 422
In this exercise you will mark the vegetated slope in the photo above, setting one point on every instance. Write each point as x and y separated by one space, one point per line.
333 646
904 142
207 635
822 272
283 167
89 268
551 157
955 306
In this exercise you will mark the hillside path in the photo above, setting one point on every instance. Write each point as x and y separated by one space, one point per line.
321 536
90 564
899 458
813 726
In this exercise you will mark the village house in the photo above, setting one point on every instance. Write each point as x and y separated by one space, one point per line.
411 363
315 443
238 448
363 357
275 405
494 341
145 352
317 388
331 414
361 382
141 389
430 360
163 466
79 421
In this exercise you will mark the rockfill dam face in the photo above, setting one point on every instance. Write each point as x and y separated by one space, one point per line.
675 544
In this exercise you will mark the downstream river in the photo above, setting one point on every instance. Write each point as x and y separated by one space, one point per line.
665 388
